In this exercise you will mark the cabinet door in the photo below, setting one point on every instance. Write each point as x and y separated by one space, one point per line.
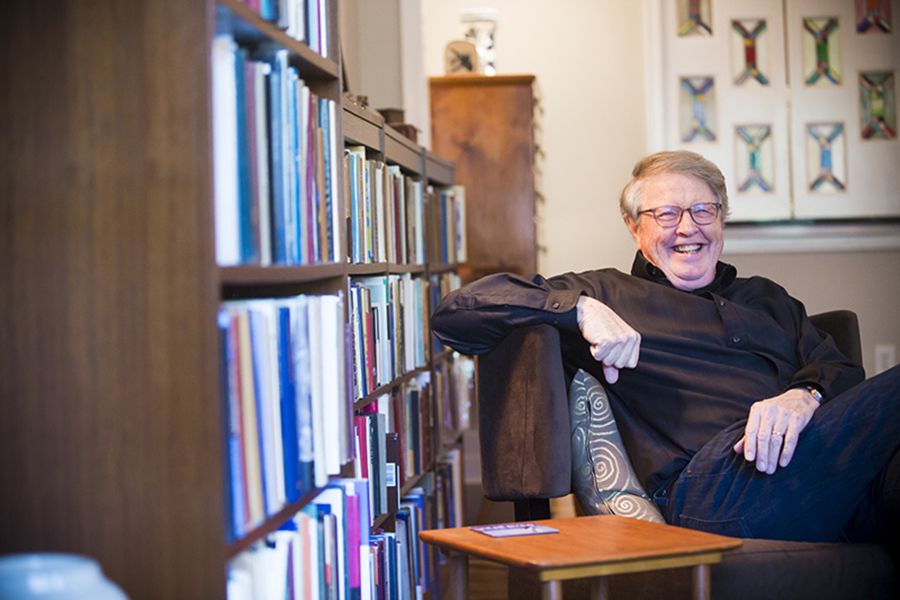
485 126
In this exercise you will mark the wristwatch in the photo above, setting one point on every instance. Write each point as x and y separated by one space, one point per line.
815 393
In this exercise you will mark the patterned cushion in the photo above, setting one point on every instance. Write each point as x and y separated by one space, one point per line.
602 477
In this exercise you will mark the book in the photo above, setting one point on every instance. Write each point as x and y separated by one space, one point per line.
302 377
225 150
502 530
287 395
237 507
392 471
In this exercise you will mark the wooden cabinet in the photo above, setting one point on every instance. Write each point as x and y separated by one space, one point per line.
486 126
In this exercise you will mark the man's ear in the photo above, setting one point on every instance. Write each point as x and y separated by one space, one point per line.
632 228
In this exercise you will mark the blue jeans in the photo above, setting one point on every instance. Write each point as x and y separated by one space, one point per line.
839 485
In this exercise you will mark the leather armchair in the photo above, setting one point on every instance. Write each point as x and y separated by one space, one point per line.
526 458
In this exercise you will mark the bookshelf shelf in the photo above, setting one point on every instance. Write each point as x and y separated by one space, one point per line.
402 151
388 387
439 268
269 275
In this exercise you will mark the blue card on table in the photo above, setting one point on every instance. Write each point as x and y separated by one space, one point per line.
513 529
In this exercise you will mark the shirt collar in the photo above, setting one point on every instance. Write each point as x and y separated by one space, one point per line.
725 274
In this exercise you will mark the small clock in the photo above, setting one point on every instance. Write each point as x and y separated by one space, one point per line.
461 56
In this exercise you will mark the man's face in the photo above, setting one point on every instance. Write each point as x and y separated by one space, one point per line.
686 252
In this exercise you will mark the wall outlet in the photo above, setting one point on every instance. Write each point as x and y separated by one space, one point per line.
885 357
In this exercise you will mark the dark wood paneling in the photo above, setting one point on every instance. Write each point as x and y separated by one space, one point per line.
109 420
485 126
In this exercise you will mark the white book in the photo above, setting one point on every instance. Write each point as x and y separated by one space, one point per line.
225 150
459 194
323 27
337 249
313 558
239 582
333 496
269 311
335 413
280 563
380 231
320 434
419 204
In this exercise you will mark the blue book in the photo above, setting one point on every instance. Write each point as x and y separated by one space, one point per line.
293 224
247 220
302 362
267 10
326 576
257 340
288 402
415 500
232 417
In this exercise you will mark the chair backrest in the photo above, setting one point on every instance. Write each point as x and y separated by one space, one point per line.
523 417
843 327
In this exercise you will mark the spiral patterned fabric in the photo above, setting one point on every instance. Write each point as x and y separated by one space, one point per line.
602 477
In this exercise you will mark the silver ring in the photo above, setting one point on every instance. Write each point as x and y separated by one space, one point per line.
778 433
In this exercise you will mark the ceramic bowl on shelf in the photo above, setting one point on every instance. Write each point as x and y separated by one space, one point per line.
54 576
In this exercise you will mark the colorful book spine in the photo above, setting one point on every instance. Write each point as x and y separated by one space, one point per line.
275 171
287 409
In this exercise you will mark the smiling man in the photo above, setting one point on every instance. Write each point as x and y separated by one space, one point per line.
737 413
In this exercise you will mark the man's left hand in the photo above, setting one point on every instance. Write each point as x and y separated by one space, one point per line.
773 429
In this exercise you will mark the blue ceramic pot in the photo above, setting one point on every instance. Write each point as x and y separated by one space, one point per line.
51 576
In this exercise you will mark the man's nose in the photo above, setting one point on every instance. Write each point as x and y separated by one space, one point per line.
686 222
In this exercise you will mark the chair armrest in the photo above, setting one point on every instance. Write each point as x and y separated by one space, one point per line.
524 417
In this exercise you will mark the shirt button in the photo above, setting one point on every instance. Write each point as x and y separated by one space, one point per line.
736 339
556 305
721 303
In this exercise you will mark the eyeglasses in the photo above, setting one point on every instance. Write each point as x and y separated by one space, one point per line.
702 213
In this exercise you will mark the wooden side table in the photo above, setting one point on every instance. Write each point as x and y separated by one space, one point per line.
590 547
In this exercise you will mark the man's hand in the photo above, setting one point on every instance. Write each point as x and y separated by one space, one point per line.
613 342
773 429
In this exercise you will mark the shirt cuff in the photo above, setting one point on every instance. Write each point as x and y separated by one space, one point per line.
561 301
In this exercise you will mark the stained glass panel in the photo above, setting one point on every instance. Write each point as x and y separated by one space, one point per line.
877 105
826 157
694 17
698 109
749 50
755 164
821 52
873 16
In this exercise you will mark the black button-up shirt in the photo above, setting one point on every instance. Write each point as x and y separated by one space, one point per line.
706 355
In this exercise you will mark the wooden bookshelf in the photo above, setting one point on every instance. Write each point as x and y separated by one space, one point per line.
111 422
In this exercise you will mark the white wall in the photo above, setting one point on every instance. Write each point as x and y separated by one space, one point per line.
383 56
588 56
